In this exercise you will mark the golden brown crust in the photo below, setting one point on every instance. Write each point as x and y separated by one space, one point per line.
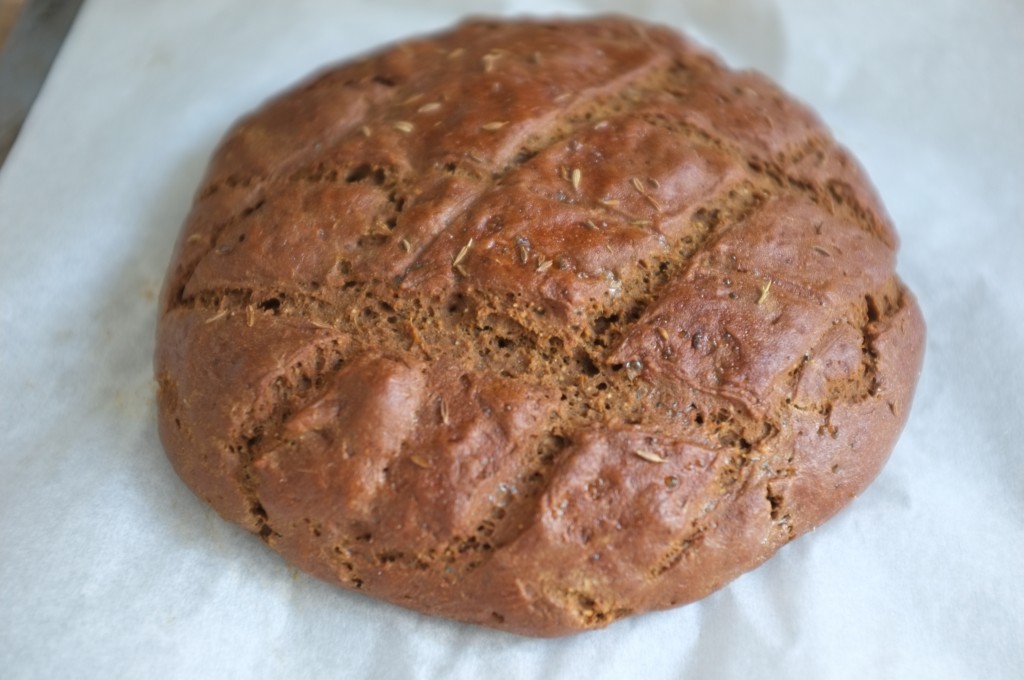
534 324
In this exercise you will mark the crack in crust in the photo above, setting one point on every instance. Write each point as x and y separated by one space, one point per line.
594 271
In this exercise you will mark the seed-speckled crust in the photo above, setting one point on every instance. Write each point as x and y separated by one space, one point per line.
533 324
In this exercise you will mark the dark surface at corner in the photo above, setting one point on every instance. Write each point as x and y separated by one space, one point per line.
25 60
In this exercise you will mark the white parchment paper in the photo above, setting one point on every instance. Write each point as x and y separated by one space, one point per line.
110 567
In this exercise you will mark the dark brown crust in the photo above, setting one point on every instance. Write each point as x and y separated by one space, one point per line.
534 325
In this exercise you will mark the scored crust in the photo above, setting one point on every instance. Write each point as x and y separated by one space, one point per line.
533 324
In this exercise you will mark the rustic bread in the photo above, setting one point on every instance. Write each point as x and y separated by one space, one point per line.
533 324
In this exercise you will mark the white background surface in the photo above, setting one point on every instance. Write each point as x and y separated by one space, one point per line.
110 567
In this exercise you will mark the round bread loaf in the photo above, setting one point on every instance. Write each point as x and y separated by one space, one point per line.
533 324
